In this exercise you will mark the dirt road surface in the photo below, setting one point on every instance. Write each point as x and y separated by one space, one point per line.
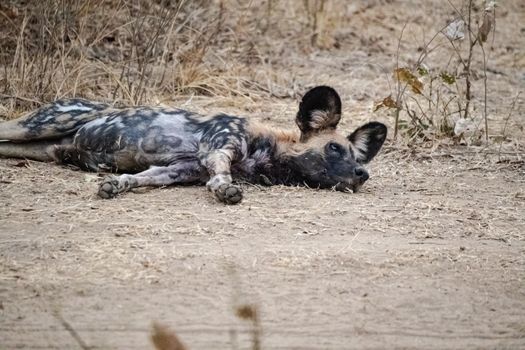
429 254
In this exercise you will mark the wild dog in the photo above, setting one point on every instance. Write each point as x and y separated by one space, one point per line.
155 146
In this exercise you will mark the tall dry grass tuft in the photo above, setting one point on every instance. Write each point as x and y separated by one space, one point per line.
241 53
133 52
113 49
437 98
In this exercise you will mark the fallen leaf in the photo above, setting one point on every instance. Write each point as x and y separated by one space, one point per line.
387 102
404 75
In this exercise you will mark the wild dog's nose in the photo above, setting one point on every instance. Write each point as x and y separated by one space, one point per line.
361 173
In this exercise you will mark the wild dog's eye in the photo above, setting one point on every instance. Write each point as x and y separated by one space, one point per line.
335 148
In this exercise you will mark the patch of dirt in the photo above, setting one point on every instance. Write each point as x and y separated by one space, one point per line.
430 254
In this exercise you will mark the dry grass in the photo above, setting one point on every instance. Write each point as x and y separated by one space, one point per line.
134 52
240 54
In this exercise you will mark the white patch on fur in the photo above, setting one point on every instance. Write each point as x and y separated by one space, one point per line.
360 146
73 108
48 118
319 119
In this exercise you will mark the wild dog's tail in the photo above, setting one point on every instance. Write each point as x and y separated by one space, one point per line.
62 151
52 121
37 150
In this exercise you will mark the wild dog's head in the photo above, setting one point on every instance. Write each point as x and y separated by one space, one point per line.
324 158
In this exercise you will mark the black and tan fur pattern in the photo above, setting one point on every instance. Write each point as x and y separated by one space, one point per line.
156 146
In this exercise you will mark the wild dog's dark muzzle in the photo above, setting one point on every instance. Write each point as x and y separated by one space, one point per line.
361 174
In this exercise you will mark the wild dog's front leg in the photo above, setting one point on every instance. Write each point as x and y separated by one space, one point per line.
218 163
188 172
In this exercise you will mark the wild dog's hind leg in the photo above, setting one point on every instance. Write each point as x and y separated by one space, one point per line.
187 172
218 163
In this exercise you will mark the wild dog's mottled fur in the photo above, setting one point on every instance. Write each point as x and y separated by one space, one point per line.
163 146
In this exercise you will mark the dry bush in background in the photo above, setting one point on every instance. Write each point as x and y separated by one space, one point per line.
239 53
119 50
131 51
436 97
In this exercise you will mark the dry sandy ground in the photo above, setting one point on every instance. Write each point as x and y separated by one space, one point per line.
429 255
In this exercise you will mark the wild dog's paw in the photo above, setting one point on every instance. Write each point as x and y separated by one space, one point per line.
229 194
109 187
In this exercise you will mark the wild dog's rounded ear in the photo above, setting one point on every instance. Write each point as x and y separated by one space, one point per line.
367 141
319 109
